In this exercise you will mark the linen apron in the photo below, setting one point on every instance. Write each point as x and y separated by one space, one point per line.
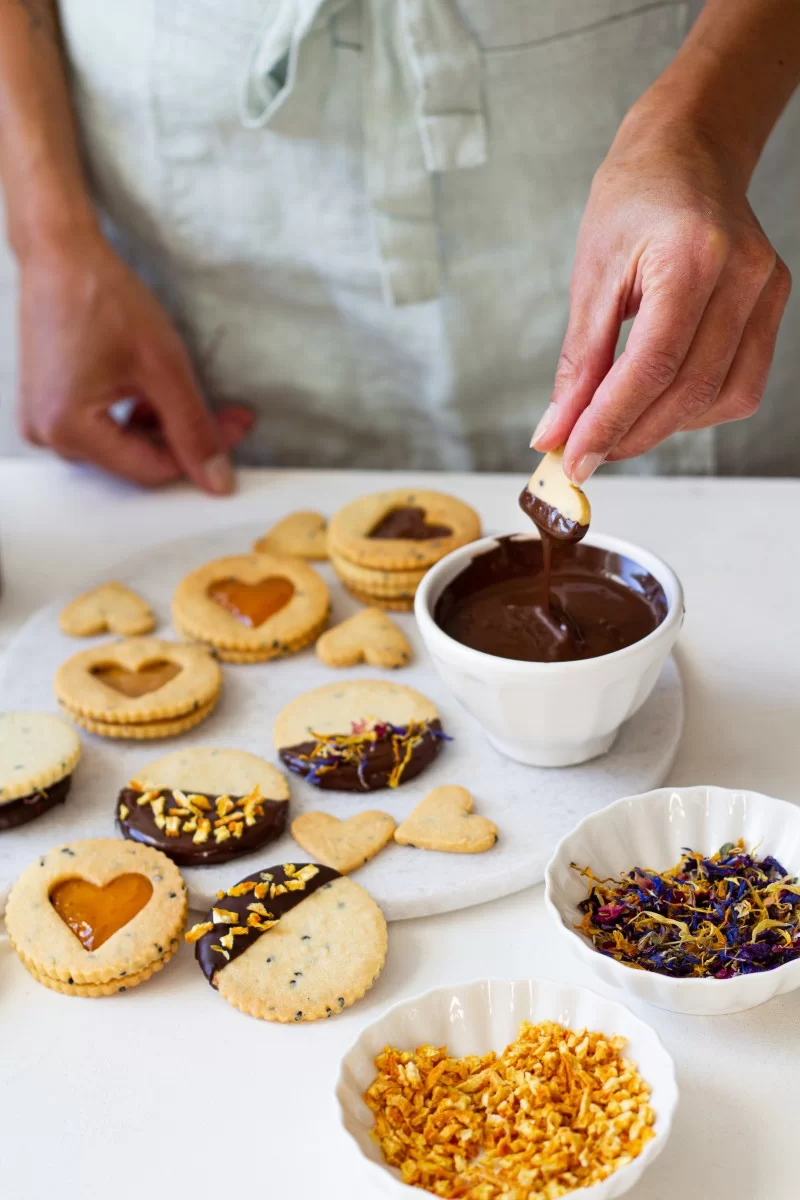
362 213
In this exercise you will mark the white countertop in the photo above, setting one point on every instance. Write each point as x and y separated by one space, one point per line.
169 1093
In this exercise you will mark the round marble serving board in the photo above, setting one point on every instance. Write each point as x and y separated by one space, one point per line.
532 807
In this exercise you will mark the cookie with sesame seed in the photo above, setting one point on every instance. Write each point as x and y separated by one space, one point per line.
297 942
38 755
205 805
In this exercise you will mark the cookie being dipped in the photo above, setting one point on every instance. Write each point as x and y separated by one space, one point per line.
557 507
292 943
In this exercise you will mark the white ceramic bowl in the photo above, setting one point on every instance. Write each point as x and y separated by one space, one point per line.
651 831
550 714
473 1018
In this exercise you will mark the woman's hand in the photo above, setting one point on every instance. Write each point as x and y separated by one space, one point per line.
668 237
92 334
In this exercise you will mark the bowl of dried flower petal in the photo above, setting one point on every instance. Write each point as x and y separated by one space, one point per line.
497 1088
688 898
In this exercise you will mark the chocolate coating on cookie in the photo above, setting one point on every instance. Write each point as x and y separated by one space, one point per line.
408 523
272 892
549 521
177 836
27 808
385 760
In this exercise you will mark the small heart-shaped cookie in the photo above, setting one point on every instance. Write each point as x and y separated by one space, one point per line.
369 636
343 845
304 534
110 608
444 820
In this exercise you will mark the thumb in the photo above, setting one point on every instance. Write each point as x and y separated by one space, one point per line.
187 426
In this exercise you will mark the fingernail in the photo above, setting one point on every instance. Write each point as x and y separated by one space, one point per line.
219 473
585 467
546 423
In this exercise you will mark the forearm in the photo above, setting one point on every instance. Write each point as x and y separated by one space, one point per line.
731 80
46 194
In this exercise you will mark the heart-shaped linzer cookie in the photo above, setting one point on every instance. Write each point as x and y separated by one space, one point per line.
444 820
110 608
147 678
304 534
252 603
369 636
95 913
343 845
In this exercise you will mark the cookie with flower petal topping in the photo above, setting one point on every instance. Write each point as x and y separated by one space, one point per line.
292 943
359 735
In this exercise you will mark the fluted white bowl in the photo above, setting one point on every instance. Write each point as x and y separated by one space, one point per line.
550 714
474 1018
651 831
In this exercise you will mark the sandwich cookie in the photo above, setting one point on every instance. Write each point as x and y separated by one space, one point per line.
139 688
252 607
205 805
38 755
360 735
292 943
96 918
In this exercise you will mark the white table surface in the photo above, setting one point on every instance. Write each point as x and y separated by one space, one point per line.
170 1093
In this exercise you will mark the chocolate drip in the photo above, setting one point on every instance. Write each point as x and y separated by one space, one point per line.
139 826
212 960
600 602
27 808
549 520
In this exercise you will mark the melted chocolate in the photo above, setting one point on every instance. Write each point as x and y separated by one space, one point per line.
212 960
139 826
599 602
378 763
550 521
27 808
409 523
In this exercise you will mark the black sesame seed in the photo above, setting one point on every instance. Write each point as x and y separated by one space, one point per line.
122 989
123 973
328 1012
66 850
298 1016
172 895
341 904
297 974
70 980
306 937
292 983
340 1002
270 959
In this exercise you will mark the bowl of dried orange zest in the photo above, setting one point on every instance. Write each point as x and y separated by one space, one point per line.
497 1089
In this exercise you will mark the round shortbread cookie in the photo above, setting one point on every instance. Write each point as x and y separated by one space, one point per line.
359 735
149 730
394 585
90 990
304 534
109 608
320 947
300 594
50 947
351 532
36 751
179 679
205 805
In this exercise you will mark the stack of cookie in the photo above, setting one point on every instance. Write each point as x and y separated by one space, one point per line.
139 688
382 545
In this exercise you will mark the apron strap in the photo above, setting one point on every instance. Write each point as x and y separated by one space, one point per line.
422 114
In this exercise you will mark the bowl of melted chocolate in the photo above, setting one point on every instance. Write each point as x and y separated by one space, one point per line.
552 640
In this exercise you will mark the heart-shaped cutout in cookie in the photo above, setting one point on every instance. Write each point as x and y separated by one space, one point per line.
95 913
252 603
343 845
148 678
408 522
304 534
369 636
444 820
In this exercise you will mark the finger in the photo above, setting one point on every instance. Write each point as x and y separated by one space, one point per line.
675 291
587 355
127 453
189 430
703 374
233 425
744 386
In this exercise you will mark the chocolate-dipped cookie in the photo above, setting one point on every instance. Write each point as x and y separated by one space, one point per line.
292 943
359 736
205 805
38 754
